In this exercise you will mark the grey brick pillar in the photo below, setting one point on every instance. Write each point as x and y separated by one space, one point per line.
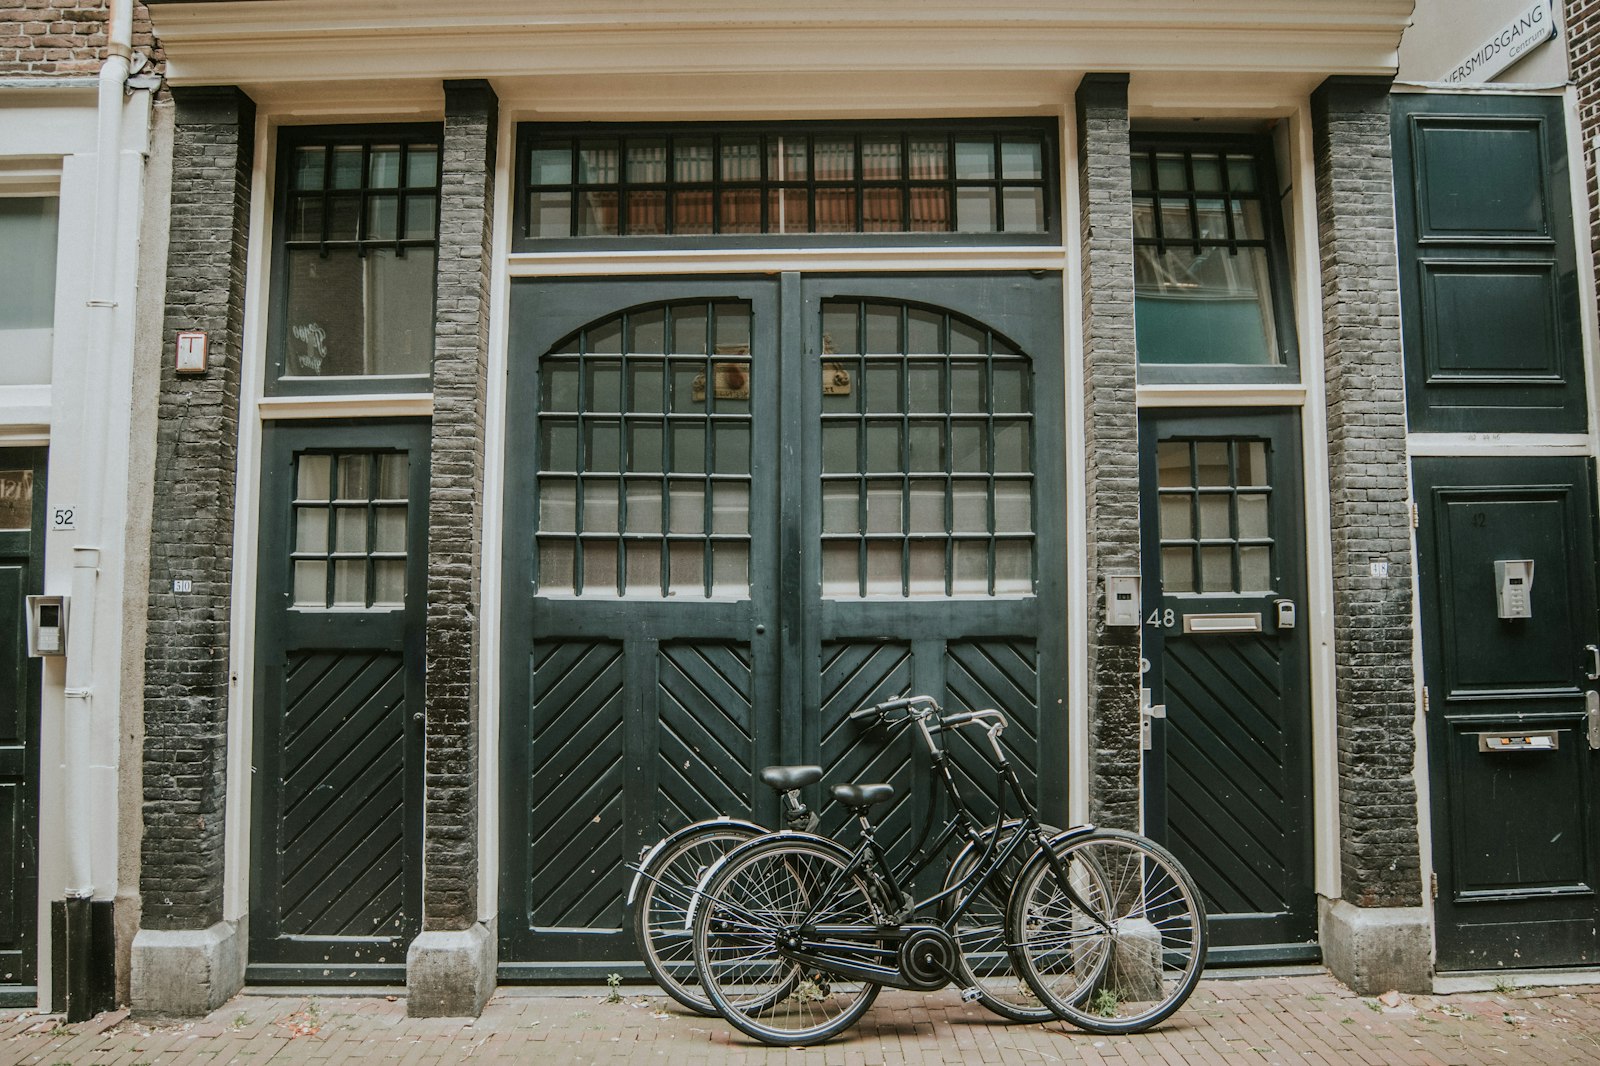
1376 936
187 959
450 966
1105 188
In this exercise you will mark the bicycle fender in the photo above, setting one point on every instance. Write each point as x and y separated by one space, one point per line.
650 853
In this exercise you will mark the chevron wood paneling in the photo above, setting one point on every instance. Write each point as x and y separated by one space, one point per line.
1228 772
1002 674
854 675
340 822
575 817
706 735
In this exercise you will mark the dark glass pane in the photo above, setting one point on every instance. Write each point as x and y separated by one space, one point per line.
347 167
550 214
383 166
1170 172
839 324
347 314
647 159
1211 308
383 217
16 500
552 163
975 210
880 158
741 159
1021 158
974 159
1141 172
647 211
422 166
344 218
647 332
1207 173
1241 173
1212 215
602 385
645 381
597 161
422 217
310 161
691 211
740 211
602 446
689 330
883 329
692 159
834 159
597 213
305 218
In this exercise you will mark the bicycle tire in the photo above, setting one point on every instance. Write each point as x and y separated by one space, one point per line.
985 961
667 882
751 898
1135 958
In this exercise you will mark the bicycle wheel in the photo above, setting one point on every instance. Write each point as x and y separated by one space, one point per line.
985 961
1114 942
661 908
758 896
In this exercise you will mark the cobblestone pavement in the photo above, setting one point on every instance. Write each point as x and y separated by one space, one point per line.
1301 1019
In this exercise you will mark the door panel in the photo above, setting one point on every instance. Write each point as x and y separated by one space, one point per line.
22 506
336 863
1515 848
822 493
1488 268
1229 769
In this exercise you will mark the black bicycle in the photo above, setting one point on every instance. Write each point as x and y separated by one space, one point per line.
794 933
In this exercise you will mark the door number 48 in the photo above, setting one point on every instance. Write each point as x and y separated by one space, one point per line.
1162 619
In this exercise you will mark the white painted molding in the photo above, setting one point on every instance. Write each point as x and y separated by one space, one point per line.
411 405
770 260
298 40
1222 396
1447 444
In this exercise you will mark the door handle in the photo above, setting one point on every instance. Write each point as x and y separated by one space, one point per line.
1593 673
1591 705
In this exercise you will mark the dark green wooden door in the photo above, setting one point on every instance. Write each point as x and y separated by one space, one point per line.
737 509
1513 719
22 499
1489 279
1229 770
336 860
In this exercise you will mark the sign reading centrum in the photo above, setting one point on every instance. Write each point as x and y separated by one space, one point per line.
1531 28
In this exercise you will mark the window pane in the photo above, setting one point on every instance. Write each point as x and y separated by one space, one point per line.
347 314
1177 570
555 566
552 164
1024 210
834 159
730 569
28 229
389 582
1255 568
309 164
558 506
1021 158
1177 517
974 159
840 573
839 502
310 526
1216 570
315 477
1208 308
350 583
310 583
383 166
1013 567
975 210
550 214
686 565
422 166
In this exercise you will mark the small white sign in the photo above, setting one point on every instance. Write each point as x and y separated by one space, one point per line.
192 351
1533 26
1380 568
63 518
182 584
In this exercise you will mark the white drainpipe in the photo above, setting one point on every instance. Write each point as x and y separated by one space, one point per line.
77 776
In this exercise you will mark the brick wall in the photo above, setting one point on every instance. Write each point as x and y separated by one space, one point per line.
62 38
1105 187
1371 517
186 653
1583 53
460 376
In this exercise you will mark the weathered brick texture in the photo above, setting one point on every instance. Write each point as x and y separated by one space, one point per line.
460 375
63 38
1583 54
1371 518
1105 185
186 654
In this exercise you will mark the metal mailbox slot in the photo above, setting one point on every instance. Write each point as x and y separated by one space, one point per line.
1246 622
1545 740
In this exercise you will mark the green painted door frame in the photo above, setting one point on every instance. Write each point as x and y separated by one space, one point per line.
22 535
624 717
336 849
1514 774
1228 770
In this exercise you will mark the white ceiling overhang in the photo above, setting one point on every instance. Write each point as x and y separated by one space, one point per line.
661 55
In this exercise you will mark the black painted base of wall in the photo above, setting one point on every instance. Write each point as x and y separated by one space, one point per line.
83 958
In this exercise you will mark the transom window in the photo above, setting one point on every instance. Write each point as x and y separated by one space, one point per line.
28 226
349 544
709 181
927 455
1216 531
1208 255
358 219
644 455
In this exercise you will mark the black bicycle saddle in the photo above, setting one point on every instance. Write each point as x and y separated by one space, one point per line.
787 778
860 797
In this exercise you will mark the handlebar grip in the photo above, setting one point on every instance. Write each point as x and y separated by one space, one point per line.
957 720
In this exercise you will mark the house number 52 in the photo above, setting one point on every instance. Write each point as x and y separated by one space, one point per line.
62 518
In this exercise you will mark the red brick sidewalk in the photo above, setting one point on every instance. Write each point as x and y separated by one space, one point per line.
1283 1020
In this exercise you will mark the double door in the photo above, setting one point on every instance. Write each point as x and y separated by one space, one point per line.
738 509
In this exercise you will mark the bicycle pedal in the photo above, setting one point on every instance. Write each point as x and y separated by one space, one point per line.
970 995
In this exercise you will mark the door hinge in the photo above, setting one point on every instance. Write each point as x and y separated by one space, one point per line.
1433 883
1424 699
1415 520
